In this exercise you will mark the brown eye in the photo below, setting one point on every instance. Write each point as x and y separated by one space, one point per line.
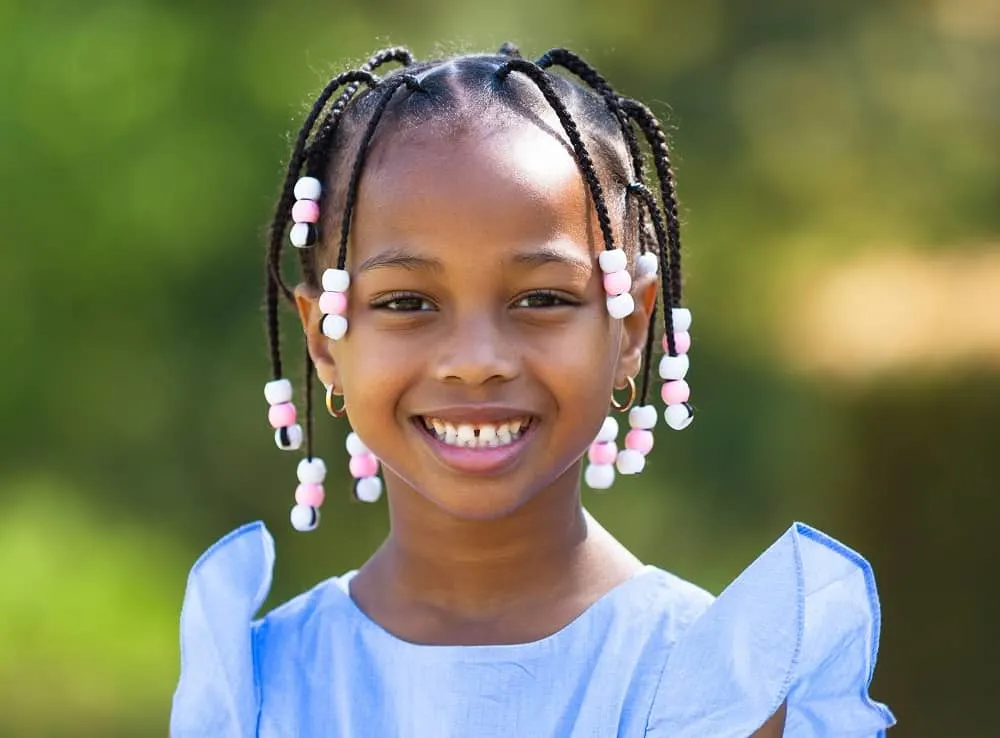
542 300
403 303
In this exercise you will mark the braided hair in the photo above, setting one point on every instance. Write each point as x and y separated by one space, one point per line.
598 122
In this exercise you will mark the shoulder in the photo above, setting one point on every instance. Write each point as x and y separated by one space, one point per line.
669 601
799 627
222 646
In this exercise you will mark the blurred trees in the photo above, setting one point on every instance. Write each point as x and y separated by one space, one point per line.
141 143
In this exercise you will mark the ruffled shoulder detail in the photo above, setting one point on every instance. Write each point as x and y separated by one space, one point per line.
218 693
799 625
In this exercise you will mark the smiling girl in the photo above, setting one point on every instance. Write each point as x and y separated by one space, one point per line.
484 258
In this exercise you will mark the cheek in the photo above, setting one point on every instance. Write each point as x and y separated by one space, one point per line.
577 366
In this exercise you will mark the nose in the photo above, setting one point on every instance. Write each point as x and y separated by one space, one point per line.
476 351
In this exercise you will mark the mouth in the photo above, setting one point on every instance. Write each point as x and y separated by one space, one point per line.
477 447
476 435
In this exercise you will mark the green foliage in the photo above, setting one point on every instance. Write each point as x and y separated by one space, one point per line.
141 146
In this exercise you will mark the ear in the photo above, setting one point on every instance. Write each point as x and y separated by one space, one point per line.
307 302
635 328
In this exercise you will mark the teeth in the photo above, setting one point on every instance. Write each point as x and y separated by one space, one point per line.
476 436
466 435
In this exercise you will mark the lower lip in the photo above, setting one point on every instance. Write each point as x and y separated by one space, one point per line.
485 460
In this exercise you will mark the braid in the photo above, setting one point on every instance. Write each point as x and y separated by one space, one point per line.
646 121
318 150
647 198
571 62
310 370
352 188
539 77
510 51
275 285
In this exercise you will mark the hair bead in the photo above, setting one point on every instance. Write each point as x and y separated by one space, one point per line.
612 260
303 235
308 188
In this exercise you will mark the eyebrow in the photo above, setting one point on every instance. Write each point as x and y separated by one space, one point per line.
543 256
550 255
401 259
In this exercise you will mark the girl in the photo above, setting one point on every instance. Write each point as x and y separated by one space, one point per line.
482 263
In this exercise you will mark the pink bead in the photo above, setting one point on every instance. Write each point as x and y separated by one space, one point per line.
305 211
333 303
310 495
676 392
682 342
281 416
603 453
617 283
365 465
639 440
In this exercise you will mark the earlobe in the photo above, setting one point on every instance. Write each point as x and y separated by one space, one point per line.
307 304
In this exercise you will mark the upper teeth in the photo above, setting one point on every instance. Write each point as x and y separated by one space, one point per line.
483 434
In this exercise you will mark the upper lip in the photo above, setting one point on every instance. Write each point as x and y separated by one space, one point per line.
476 414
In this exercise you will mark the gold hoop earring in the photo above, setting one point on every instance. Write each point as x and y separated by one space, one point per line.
631 397
337 412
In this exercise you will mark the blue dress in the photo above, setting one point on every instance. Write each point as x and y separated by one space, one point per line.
655 657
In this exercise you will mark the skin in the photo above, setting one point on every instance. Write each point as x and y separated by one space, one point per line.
475 282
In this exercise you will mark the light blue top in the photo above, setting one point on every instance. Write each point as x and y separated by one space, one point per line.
655 657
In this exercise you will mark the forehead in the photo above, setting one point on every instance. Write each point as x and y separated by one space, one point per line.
480 184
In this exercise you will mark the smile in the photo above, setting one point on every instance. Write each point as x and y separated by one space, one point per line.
478 446
476 435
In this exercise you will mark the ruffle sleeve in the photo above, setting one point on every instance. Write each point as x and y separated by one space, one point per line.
217 694
799 626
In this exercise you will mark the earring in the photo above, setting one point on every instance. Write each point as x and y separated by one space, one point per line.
337 412
600 471
674 367
631 397
364 468
282 415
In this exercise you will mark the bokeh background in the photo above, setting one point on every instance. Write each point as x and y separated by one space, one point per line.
838 167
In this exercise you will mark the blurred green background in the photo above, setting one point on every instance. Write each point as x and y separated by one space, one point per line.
838 168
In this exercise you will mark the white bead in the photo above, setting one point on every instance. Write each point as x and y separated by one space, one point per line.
630 461
278 391
308 188
612 261
312 471
608 431
678 416
642 417
368 489
681 319
294 435
673 368
355 446
334 327
621 306
336 280
599 476
304 518
648 264
299 235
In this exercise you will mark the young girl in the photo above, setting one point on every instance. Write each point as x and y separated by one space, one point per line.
483 257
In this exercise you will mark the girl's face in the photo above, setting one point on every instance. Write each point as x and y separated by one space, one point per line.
477 315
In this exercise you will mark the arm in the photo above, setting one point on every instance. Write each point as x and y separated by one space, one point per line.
775 725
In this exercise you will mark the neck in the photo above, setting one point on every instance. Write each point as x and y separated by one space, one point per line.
477 567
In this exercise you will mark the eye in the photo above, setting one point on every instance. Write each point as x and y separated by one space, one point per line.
403 302
543 299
